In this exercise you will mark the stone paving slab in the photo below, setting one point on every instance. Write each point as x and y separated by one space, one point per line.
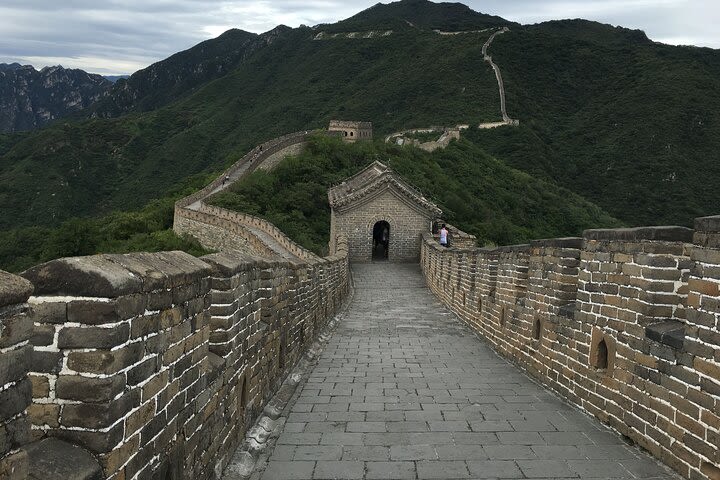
404 391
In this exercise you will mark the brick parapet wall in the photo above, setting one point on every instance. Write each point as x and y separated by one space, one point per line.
456 237
15 389
158 363
239 219
623 323
218 234
221 229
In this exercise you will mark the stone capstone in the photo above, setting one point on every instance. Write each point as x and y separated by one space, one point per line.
54 459
94 276
13 289
666 234
112 276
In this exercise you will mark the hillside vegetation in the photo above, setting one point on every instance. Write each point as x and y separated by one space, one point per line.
476 192
626 123
99 165
180 74
630 124
148 229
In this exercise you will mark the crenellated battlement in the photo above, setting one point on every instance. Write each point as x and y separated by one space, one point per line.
155 363
623 323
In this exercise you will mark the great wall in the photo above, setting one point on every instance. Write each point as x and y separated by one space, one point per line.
506 120
169 367
156 365
622 323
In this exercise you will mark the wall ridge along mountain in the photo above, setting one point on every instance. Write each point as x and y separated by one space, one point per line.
505 117
220 229
454 132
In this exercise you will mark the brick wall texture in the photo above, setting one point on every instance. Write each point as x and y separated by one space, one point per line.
623 323
157 363
16 329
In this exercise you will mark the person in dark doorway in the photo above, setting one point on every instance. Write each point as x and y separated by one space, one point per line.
385 240
444 236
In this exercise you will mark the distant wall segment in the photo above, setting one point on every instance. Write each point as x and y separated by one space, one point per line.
623 323
220 229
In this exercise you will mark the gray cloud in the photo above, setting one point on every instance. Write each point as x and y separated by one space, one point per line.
121 36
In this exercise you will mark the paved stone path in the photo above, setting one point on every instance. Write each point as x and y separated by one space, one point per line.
404 391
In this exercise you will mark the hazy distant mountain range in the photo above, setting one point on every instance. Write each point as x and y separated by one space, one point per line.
31 98
115 78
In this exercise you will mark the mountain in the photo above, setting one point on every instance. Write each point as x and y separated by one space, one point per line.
170 79
627 123
89 167
631 124
417 14
6 67
30 98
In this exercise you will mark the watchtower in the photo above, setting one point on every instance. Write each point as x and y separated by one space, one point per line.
351 131
382 216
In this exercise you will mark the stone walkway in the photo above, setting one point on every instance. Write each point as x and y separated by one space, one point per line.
404 391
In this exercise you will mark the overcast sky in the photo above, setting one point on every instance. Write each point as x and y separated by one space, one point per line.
122 36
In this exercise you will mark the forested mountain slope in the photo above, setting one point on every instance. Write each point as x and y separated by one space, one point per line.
93 166
627 123
476 192
176 76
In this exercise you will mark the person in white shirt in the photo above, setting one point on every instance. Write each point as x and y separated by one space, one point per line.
444 236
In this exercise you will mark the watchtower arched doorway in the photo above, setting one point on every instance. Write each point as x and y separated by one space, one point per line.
381 241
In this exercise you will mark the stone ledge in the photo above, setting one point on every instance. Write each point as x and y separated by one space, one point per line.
708 224
53 459
13 289
112 276
232 263
94 276
567 242
525 247
670 332
659 234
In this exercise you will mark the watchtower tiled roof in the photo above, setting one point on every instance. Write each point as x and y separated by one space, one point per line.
375 179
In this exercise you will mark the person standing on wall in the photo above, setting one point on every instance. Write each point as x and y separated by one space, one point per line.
444 236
